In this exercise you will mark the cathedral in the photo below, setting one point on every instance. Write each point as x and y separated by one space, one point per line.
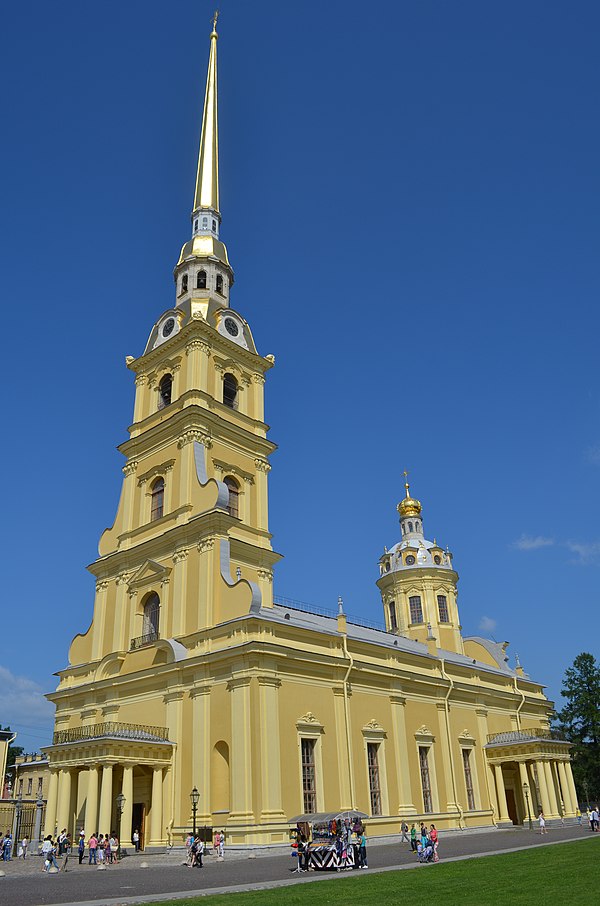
197 695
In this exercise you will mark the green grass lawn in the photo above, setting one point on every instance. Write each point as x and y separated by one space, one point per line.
560 875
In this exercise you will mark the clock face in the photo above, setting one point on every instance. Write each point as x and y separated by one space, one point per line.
437 559
231 327
168 326
410 560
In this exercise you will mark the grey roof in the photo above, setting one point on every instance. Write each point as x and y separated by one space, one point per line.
320 623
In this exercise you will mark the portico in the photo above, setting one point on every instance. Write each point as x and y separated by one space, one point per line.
92 764
535 763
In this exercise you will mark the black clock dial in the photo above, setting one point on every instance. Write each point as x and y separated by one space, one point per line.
410 560
231 327
168 327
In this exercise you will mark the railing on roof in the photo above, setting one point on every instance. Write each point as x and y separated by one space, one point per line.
111 729
316 609
512 736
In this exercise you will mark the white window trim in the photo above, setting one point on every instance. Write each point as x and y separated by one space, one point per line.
424 738
308 727
374 732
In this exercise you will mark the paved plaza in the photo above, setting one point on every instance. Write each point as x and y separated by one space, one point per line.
25 884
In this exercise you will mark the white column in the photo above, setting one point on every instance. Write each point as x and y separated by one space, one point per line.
156 834
91 806
541 775
572 787
125 830
570 807
554 808
502 806
106 800
64 800
50 817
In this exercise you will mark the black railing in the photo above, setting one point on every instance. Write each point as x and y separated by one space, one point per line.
292 604
142 640
113 730
512 736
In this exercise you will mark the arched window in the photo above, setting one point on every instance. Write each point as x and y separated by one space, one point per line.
151 615
230 391
184 283
201 280
165 388
219 284
157 494
410 526
233 507
393 617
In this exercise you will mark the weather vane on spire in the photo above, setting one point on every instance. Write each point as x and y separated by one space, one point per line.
406 484
215 17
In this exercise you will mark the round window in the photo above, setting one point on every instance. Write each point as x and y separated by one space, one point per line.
437 559
168 327
231 327
410 560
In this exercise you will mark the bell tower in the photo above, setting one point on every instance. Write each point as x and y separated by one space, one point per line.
418 584
190 546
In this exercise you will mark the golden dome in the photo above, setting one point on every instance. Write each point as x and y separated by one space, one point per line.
409 506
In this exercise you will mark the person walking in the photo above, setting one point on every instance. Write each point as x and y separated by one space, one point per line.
199 851
92 847
48 852
222 844
24 847
136 840
542 822
81 846
413 838
7 847
404 832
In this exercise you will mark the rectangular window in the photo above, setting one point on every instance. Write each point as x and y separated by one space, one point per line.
468 779
393 618
40 786
416 611
309 786
374 785
29 786
443 609
21 787
425 778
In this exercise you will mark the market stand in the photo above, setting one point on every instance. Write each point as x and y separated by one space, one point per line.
332 838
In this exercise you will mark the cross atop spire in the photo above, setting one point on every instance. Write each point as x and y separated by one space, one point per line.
206 197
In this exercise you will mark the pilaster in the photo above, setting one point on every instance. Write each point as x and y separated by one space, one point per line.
270 748
201 749
241 751
398 706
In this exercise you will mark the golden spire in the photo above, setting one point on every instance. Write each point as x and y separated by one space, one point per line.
207 179
409 506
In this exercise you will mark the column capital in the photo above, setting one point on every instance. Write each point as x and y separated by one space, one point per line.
238 682
269 681
198 691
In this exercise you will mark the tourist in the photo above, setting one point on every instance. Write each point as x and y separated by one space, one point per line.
101 851
413 838
199 844
404 832
222 844
542 821
92 847
7 847
24 847
48 852
114 848
136 840
362 850
81 846
433 836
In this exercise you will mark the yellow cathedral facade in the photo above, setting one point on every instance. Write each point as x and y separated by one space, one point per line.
191 676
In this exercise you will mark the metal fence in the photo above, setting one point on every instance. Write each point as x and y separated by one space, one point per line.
113 730
512 736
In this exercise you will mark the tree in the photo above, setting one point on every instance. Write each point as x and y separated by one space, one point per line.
579 722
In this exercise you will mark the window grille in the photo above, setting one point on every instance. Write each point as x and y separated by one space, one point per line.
374 784
443 609
158 499
425 778
416 610
468 779
309 788
152 615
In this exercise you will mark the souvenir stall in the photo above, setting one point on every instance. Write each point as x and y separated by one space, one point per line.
331 838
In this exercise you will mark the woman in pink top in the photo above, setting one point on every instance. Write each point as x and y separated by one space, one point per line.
433 836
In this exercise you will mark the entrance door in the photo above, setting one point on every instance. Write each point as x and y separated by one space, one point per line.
138 817
512 806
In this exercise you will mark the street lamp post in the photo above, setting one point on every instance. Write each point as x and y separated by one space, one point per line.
195 798
17 822
120 800
526 791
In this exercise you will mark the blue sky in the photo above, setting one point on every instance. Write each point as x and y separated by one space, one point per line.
410 203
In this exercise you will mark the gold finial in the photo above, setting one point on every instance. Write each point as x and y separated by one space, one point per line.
215 17
408 506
